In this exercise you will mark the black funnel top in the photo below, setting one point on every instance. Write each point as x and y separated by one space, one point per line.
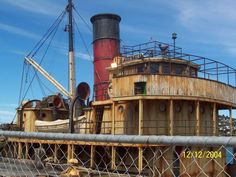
106 26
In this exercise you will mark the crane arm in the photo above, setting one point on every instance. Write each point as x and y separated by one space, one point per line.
48 76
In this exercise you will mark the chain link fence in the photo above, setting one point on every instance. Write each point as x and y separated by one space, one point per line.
57 154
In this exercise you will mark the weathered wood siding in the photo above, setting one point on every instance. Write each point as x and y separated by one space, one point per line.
175 86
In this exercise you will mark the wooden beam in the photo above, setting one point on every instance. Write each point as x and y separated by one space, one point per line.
197 108
26 150
19 150
48 77
14 149
140 159
214 119
113 157
104 102
174 97
92 156
94 120
171 118
140 117
79 143
113 119
55 160
69 152
72 150
230 121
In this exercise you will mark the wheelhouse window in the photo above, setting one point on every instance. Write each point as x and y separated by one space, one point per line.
154 68
179 69
140 88
141 68
165 68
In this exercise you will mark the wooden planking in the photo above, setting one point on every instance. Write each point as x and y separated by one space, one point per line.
206 123
222 104
106 127
113 119
155 119
131 118
176 86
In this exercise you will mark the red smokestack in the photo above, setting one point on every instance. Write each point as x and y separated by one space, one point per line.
106 46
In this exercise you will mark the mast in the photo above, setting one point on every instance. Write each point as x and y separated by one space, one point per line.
71 51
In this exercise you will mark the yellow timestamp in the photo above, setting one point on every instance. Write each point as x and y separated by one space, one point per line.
202 154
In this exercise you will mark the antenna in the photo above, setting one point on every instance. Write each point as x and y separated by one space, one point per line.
174 37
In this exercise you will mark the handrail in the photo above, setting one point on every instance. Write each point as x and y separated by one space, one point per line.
208 68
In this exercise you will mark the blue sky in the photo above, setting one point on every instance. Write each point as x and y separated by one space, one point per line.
205 28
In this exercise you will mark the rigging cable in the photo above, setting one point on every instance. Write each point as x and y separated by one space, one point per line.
82 19
47 34
39 82
21 85
55 30
45 86
84 43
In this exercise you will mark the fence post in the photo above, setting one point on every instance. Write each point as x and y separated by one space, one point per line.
55 153
26 150
70 152
91 156
140 159
19 150
113 157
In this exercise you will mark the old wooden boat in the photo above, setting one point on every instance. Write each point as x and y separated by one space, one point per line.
147 89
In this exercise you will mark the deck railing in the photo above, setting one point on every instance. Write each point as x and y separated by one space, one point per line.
208 68
157 127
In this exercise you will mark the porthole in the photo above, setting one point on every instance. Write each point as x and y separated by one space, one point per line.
121 109
162 108
177 108
43 115
190 108
202 109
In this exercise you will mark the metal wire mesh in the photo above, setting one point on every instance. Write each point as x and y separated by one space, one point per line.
55 154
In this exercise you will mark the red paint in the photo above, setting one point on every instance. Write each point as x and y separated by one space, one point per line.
104 51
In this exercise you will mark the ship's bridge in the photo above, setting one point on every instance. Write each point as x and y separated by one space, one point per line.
158 69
